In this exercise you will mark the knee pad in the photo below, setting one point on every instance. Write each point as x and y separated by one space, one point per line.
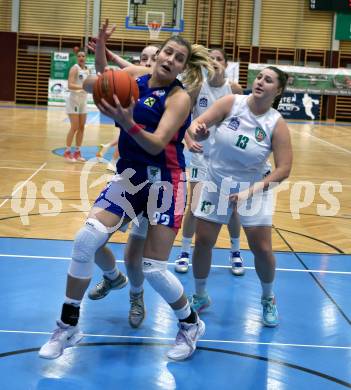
162 280
88 240
141 230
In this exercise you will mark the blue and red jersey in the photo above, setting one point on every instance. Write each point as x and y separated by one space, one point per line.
147 113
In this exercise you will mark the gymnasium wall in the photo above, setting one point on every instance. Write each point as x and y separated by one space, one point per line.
289 35
7 69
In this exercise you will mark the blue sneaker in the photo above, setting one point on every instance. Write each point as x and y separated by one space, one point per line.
182 263
237 264
199 303
270 312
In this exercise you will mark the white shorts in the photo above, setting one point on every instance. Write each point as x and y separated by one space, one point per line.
76 103
197 168
214 206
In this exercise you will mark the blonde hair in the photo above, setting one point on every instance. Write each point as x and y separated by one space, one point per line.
197 59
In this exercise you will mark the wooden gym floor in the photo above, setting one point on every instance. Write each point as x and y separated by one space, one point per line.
42 196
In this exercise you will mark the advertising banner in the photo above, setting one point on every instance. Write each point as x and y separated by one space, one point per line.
320 81
300 106
61 63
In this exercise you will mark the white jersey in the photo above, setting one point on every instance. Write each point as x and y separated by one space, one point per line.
81 75
207 96
242 143
232 71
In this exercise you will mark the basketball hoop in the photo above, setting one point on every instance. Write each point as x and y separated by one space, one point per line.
154 29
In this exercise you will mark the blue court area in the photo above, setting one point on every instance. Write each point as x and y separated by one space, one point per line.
311 348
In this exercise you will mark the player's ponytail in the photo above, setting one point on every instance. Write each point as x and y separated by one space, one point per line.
198 58
197 61
283 79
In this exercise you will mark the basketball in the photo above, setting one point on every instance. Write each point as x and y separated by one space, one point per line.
115 82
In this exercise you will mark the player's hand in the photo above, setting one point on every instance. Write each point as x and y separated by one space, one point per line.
237 199
105 32
194 146
199 131
92 45
123 116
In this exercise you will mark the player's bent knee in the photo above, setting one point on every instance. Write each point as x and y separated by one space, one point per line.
88 240
162 280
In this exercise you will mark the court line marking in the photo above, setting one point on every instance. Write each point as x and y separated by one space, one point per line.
323 141
173 263
203 340
23 184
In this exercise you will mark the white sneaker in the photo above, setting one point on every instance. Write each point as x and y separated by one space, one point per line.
64 336
185 342
237 263
182 263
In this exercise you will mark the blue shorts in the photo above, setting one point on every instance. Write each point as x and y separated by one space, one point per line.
158 193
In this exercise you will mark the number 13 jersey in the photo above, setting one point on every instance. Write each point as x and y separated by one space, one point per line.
242 143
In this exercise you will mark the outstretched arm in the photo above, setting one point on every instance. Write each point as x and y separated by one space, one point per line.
110 56
215 114
100 49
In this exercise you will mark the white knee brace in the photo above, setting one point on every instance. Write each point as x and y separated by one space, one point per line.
162 280
88 240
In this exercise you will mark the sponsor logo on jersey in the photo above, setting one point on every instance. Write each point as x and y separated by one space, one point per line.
203 102
161 92
206 207
150 101
260 135
234 123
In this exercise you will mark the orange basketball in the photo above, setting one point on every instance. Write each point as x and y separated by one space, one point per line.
115 82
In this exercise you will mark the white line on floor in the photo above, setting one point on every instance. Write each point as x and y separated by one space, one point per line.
201 340
317 271
23 184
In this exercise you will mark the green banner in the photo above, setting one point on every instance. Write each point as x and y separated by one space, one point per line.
343 27
321 81
61 63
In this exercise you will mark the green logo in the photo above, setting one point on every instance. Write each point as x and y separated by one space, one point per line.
260 135
149 101
154 171
206 207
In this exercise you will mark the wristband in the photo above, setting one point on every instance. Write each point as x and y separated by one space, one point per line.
134 130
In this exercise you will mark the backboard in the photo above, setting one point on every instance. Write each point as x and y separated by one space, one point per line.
168 13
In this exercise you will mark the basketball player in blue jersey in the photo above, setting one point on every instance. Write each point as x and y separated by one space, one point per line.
134 248
248 130
150 179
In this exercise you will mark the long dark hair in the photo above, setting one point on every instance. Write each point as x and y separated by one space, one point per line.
283 79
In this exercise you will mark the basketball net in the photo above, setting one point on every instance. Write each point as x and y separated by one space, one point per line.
154 29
